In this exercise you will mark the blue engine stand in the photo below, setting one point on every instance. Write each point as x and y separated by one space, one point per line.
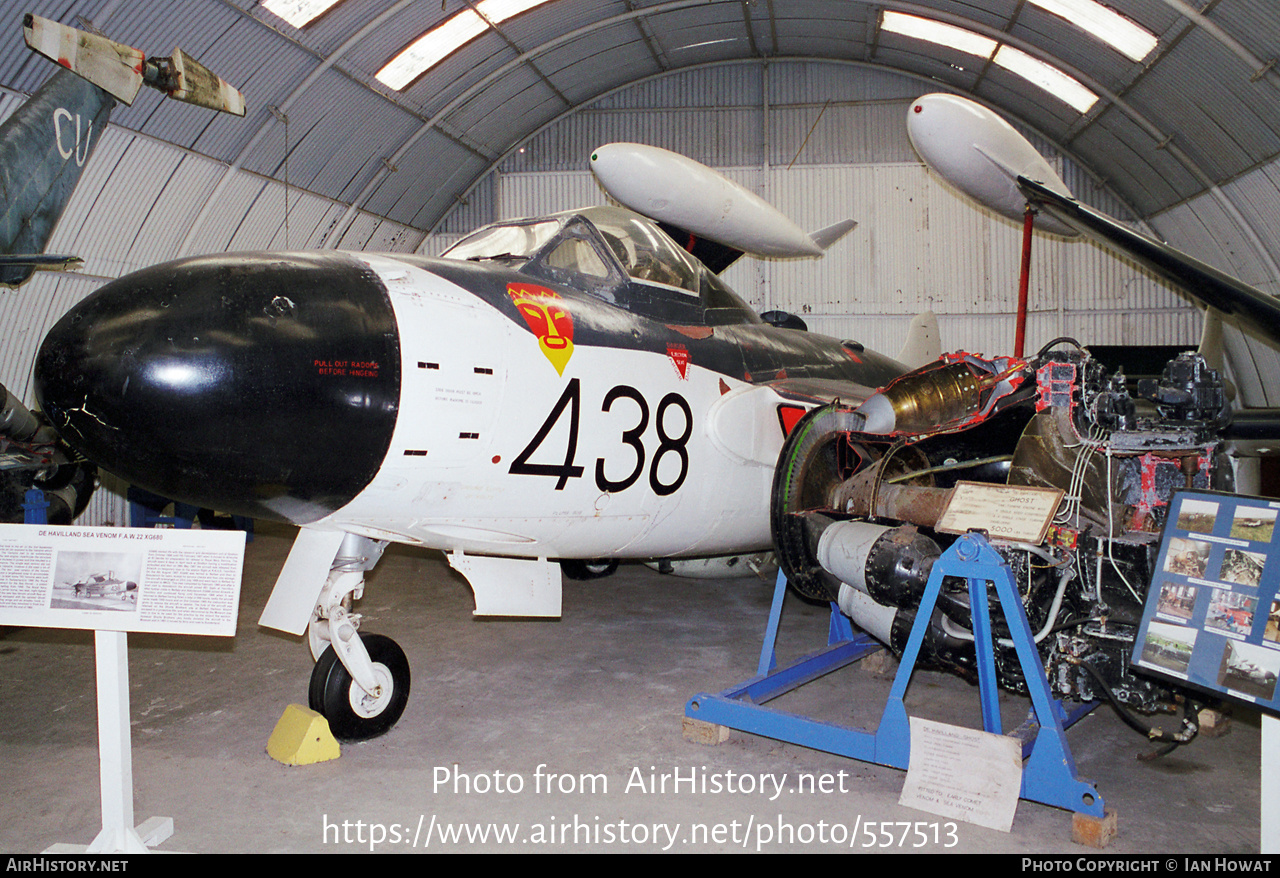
1049 772
35 508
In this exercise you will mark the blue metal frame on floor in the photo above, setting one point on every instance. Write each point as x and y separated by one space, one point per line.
35 508
1049 772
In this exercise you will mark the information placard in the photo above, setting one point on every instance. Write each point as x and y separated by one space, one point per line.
967 774
1212 617
170 581
1005 512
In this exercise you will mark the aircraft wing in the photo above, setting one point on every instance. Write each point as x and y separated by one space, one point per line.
1203 282
1209 286
122 70
56 261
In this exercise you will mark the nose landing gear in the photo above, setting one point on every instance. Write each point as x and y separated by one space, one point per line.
360 683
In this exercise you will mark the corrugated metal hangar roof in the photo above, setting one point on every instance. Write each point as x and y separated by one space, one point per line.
1196 112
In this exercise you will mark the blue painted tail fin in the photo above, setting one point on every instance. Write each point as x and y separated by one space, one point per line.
44 147
46 143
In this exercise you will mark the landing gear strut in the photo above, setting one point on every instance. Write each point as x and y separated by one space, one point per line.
360 684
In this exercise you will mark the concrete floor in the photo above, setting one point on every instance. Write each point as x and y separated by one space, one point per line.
600 692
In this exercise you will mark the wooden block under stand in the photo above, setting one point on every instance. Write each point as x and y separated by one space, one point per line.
699 732
1213 723
1093 831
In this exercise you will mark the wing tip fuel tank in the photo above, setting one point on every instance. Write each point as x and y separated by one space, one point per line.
982 155
672 188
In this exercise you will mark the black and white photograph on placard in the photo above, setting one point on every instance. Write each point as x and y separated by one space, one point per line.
96 581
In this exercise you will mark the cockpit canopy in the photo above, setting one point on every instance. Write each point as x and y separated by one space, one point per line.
618 255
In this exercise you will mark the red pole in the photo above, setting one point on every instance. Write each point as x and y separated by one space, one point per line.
1020 335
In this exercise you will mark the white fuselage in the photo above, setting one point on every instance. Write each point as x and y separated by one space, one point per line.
477 392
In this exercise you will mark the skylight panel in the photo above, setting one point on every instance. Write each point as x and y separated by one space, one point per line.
1065 88
1059 84
298 13
937 32
499 11
443 40
1112 28
431 48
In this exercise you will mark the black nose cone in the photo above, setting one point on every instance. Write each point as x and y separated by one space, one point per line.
258 384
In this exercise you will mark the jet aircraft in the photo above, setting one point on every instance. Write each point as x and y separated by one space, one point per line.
103 585
44 147
571 387
564 388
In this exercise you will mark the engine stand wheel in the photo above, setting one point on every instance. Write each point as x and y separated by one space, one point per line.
353 714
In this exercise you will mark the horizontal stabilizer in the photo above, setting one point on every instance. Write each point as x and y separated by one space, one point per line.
121 70
192 82
1208 285
111 66
45 261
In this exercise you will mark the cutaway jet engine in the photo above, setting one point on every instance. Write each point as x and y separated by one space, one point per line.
858 493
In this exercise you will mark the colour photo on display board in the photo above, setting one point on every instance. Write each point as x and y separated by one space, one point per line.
1250 670
1198 516
1212 617
1244 568
1254 524
1169 647
1177 601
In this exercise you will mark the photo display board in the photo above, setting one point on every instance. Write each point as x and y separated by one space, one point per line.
1212 617
161 580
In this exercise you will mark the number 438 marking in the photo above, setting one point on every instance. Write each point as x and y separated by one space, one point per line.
570 401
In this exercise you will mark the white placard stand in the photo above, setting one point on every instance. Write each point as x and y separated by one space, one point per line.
171 581
115 758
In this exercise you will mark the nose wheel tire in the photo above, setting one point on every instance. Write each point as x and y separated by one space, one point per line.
353 714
